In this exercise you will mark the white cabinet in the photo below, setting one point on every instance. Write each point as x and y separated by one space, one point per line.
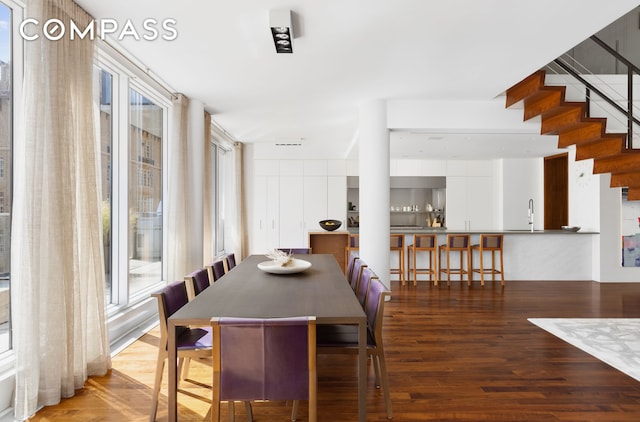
456 211
470 203
337 199
480 206
292 234
315 202
266 224
291 197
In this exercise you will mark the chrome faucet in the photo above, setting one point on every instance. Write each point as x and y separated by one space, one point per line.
531 213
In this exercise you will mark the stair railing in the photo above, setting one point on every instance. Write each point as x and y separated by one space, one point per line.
577 70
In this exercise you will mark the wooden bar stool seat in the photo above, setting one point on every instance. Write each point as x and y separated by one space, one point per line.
490 243
423 243
460 243
397 245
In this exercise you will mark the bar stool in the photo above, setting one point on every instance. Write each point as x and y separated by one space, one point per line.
455 243
397 245
490 243
423 243
353 245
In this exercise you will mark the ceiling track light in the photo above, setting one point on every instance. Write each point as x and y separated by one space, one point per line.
281 30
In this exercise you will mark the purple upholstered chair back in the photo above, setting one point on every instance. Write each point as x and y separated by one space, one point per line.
353 257
264 359
231 261
218 269
174 296
374 308
170 299
355 274
200 279
363 287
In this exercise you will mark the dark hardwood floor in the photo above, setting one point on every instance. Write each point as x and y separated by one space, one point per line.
453 354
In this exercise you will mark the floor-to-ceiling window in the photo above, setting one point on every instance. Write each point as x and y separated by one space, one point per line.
132 127
104 95
6 181
145 192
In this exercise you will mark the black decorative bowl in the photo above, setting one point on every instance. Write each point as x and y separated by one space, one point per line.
330 225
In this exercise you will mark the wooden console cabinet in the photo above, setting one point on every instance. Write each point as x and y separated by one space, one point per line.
330 242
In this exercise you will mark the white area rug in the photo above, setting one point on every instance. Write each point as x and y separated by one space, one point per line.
615 341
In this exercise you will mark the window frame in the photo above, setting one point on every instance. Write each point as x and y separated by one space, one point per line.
125 77
7 357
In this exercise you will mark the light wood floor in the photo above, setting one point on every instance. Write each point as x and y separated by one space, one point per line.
453 354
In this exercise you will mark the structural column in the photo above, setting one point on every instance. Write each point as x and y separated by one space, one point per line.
374 188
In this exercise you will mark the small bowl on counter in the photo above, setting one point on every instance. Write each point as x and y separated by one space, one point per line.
330 225
570 228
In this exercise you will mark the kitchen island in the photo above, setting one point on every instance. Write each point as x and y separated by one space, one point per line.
537 255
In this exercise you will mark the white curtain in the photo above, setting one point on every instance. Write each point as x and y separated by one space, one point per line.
177 191
208 203
58 284
242 246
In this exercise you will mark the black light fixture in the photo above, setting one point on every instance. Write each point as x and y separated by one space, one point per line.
281 30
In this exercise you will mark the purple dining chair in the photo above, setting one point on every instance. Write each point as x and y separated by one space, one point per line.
191 342
197 281
357 273
229 261
216 270
363 287
264 359
332 339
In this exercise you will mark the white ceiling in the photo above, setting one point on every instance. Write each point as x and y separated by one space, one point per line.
349 52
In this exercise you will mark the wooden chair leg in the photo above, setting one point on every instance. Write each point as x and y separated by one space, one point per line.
481 268
156 388
501 269
448 269
385 380
415 268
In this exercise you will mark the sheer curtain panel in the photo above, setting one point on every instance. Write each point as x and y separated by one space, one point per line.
177 201
59 332
208 206
242 244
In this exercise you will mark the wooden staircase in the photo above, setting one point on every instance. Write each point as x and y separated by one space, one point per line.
569 121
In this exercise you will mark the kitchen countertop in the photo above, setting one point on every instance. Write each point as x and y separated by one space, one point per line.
444 230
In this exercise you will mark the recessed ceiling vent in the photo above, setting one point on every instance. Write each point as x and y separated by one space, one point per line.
281 30
289 144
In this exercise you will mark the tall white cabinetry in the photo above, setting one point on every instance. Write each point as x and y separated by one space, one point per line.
291 197
265 231
470 200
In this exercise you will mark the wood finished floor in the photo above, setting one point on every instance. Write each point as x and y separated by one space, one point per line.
453 354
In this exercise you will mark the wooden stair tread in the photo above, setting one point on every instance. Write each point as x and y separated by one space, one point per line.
545 100
620 180
604 147
564 117
569 121
589 129
626 161
633 194
525 88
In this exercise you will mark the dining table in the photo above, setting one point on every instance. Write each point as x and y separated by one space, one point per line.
246 291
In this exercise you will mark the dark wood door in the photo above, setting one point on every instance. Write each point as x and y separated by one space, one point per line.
556 191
